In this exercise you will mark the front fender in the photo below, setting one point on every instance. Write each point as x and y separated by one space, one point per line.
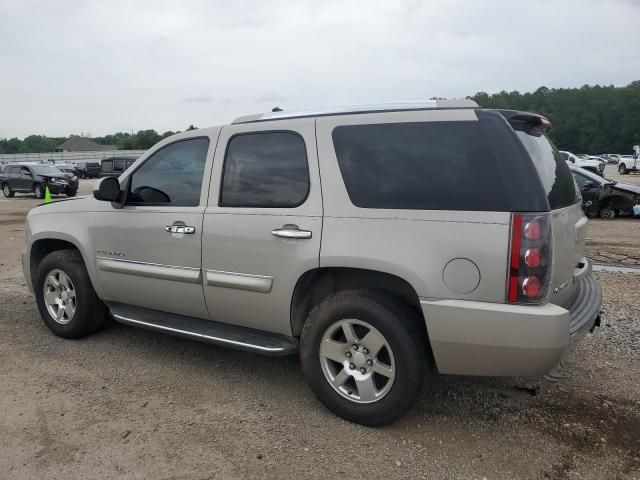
74 228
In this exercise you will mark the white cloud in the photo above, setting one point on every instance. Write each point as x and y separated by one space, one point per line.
103 66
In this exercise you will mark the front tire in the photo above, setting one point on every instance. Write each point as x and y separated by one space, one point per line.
607 213
364 356
71 192
622 169
66 300
7 192
38 191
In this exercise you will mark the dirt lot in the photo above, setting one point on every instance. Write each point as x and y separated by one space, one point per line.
128 403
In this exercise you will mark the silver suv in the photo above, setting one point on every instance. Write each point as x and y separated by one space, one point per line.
381 242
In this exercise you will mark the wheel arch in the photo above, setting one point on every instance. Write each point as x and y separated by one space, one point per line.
314 285
46 243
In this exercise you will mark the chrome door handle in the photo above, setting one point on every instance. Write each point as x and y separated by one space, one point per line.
180 229
291 233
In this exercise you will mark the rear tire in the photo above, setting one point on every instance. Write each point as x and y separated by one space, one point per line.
72 309
371 384
6 190
622 169
38 191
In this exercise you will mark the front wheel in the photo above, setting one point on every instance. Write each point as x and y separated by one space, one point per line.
6 191
38 191
364 356
607 213
71 192
622 169
66 300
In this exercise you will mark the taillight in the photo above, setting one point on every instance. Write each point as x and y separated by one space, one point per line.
529 258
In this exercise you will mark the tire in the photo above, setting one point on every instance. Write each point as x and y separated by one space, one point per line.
607 213
406 351
87 313
7 192
622 169
38 190
71 192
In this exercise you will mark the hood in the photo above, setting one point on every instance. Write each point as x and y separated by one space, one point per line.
85 203
626 187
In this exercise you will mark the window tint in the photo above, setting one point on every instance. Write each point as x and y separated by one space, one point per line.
267 169
425 166
580 179
171 176
118 165
552 168
25 172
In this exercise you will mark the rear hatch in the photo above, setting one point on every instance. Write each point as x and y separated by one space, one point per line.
568 222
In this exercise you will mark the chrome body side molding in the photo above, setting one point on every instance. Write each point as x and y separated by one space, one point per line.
239 281
152 270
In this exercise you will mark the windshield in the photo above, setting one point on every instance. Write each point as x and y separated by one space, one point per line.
592 176
553 170
47 171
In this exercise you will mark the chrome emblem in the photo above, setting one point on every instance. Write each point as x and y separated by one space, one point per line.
561 287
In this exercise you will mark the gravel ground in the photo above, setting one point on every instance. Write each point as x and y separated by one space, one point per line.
128 403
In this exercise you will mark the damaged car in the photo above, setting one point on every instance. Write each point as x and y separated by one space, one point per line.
605 198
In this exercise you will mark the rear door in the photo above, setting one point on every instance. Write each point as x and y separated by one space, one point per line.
568 221
263 223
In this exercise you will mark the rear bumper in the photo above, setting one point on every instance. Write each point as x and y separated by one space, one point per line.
477 338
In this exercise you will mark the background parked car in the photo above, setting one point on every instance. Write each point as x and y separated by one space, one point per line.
114 166
88 170
628 164
603 197
595 166
611 158
36 178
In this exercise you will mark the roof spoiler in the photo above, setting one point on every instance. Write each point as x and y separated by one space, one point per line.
531 120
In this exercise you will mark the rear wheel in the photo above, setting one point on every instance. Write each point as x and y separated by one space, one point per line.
364 356
38 190
66 300
6 190
622 169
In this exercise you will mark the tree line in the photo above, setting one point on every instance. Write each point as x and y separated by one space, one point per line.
142 140
590 119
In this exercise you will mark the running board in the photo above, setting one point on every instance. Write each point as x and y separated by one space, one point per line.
208 331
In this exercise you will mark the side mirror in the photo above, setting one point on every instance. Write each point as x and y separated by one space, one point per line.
107 190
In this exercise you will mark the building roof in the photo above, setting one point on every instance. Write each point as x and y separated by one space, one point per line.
366 108
82 144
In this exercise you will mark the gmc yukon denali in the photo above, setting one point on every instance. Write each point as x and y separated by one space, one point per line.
383 243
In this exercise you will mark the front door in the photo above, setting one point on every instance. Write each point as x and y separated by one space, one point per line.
263 223
148 253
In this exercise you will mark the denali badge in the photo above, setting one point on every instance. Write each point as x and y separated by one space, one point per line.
110 253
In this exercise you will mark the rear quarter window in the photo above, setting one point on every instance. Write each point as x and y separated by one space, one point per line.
551 167
419 166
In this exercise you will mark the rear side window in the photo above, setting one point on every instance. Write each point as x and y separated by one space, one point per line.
265 170
420 166
552 168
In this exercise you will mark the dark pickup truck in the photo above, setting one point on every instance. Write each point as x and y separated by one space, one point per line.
37 178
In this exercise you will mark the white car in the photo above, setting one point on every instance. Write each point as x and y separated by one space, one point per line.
628 164
593 165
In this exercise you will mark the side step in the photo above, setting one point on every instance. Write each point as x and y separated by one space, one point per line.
207 331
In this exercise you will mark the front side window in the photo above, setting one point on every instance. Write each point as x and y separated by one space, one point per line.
419 166
172 176
265 170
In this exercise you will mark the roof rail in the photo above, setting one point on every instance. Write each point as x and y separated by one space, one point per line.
364 108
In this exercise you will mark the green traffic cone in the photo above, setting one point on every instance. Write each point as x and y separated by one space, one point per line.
47 195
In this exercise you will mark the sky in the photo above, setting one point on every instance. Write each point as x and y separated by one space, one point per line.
97 67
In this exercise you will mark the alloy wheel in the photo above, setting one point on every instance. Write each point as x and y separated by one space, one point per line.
357 361
59 296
